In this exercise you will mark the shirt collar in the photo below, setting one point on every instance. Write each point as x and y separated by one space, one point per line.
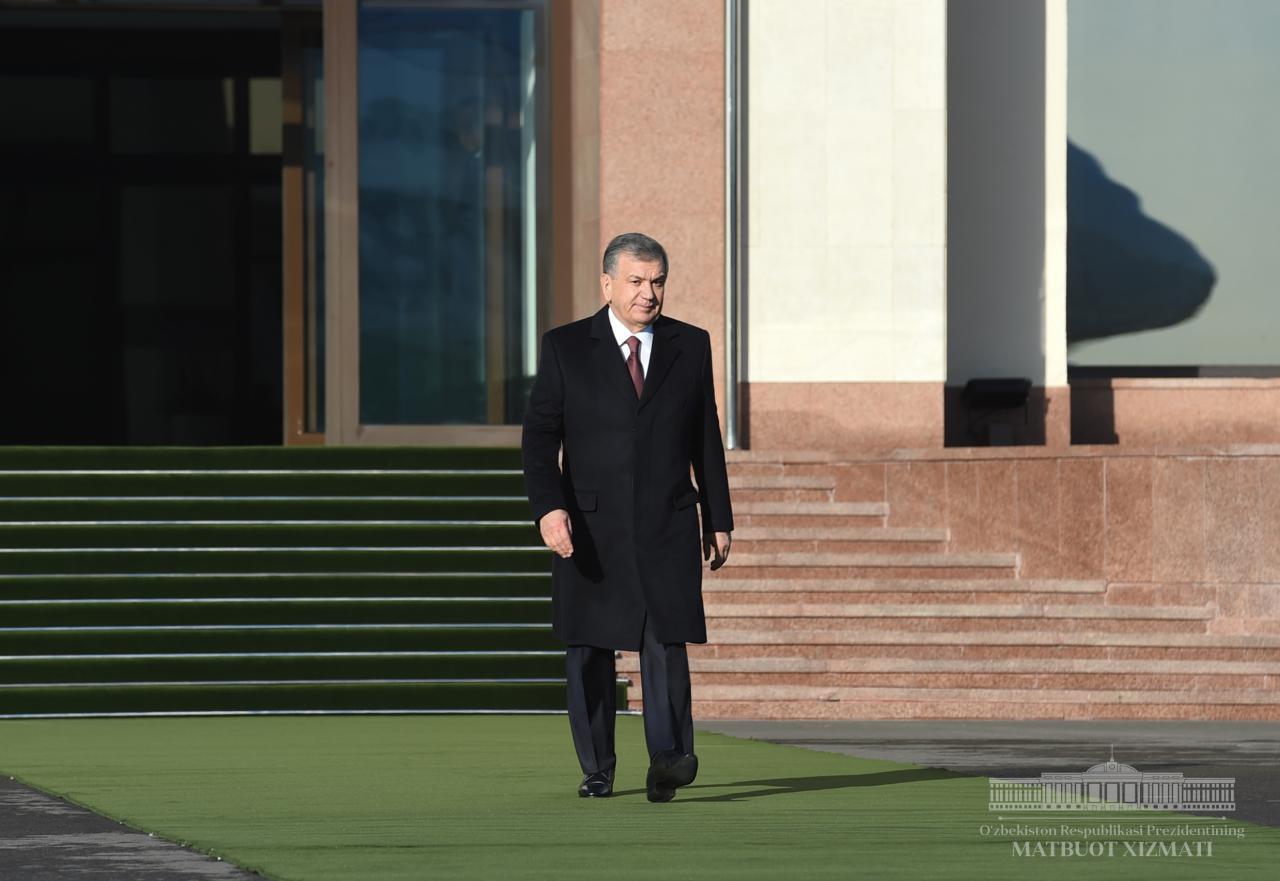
620 331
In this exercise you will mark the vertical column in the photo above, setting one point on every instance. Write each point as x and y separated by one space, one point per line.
299 343
342 253
1006 248
1057 392
846 240
574 134
662 147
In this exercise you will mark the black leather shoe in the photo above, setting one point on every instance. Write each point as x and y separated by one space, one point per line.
656 787
597 785
667 771
684 770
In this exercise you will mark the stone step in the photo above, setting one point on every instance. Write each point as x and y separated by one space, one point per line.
803 521
757 532
755 539
838 546
820 509
748 457
906 571
1094 649
737 597
720 635
932 708
873 565
715 583
1171 628
1169 594
983 611
739 481
770 513
1086 696
799 496
956 590
629 662
888 561
1169 682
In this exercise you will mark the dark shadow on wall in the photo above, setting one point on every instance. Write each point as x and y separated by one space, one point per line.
1126 272
1093 411
995 215
969 425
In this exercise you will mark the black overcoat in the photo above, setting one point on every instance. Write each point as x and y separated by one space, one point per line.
625 480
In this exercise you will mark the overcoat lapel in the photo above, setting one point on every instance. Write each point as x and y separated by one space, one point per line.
666 349
608 358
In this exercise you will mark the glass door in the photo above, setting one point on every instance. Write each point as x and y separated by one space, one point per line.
441 116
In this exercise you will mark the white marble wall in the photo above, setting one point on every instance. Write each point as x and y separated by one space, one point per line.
846 187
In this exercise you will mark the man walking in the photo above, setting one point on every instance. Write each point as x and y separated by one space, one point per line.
628 394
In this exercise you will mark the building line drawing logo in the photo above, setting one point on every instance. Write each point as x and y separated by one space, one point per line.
1112 786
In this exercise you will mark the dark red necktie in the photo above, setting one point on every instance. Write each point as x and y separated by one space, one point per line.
633 364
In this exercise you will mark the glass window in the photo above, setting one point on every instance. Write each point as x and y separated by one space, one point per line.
266 131
177 246
46 110
172 115
449 201
1171 187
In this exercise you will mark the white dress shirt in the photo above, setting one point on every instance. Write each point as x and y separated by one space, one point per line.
621 333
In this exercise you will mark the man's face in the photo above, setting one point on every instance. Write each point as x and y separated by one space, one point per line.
634 292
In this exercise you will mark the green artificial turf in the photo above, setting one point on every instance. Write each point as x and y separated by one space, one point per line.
493 797
57 458
256 572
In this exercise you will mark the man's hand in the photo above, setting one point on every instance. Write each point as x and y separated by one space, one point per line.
556 531
719 545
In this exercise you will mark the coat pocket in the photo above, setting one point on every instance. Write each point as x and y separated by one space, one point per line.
685 499
586 499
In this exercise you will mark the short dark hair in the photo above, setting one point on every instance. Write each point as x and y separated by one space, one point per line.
638 245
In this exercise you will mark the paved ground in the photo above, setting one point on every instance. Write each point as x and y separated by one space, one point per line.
1247 751
43 838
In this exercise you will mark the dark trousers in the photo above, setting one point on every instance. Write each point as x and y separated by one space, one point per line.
664 678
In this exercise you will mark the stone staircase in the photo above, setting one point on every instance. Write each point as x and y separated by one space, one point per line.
927 584
833 607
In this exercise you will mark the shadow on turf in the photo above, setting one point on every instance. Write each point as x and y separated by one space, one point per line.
778 786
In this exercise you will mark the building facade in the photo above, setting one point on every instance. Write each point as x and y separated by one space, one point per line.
280 208
988 285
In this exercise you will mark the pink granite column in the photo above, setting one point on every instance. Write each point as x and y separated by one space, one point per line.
662 146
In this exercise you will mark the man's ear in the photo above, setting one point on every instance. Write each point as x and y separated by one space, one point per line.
605 283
